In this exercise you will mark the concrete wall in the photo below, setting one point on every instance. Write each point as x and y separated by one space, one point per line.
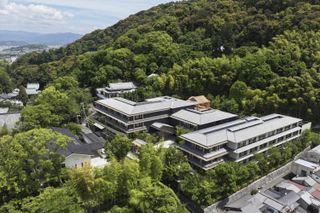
306 126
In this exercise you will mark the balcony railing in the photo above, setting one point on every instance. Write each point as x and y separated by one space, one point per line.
206 166
204 156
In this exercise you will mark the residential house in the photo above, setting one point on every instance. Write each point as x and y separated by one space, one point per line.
313 155
304 168
78 154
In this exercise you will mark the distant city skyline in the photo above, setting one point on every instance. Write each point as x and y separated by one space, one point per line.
76 16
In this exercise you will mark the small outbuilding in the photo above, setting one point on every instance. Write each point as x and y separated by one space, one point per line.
202 102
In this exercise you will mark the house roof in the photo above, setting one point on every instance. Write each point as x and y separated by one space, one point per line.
139 142
150 105
9 119
199 99
196 117
159 125
307 164
239 130
34 86
121 86
4 110
75 146
94 138
316 150
8 95
307 181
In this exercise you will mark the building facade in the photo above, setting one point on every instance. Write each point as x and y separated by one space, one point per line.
116 90
118 115
239 140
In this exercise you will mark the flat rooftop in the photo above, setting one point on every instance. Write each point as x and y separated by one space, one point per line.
121 86
306 164
239 130
128 107
196 117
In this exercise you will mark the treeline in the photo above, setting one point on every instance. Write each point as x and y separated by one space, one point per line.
33 179
6 84
201 48
59 104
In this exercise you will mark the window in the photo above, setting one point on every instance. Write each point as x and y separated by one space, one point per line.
137 117
261 137
263 146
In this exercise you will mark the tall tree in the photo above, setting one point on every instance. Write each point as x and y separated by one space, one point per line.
23 96
118 147
27 165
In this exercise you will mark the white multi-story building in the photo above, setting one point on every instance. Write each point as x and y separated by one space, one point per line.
116 90
119 115
239 140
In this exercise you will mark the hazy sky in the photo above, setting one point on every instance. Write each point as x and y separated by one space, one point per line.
79 16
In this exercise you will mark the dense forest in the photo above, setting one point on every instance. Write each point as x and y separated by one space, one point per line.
248 57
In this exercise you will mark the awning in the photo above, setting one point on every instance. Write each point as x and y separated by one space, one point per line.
162 127
99 126
139 142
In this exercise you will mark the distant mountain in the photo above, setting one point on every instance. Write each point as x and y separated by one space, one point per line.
13 43
38 38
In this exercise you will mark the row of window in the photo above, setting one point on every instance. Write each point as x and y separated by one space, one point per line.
118 125
126 118
202 162
266 135
263 146
203 150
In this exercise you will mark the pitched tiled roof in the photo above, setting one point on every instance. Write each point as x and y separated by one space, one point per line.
202 117
121 86
75 146
240 130
151 105
199 99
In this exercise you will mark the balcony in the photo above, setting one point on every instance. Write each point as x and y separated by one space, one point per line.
203 156
206 166
114 127
128 121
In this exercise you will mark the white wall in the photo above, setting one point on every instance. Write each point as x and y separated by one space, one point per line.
297 169
306 126
77 160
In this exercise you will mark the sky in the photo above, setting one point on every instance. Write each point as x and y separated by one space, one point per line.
77 16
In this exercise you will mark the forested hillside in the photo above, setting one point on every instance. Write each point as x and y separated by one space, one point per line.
247 56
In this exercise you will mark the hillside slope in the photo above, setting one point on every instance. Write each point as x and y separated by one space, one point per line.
247 56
